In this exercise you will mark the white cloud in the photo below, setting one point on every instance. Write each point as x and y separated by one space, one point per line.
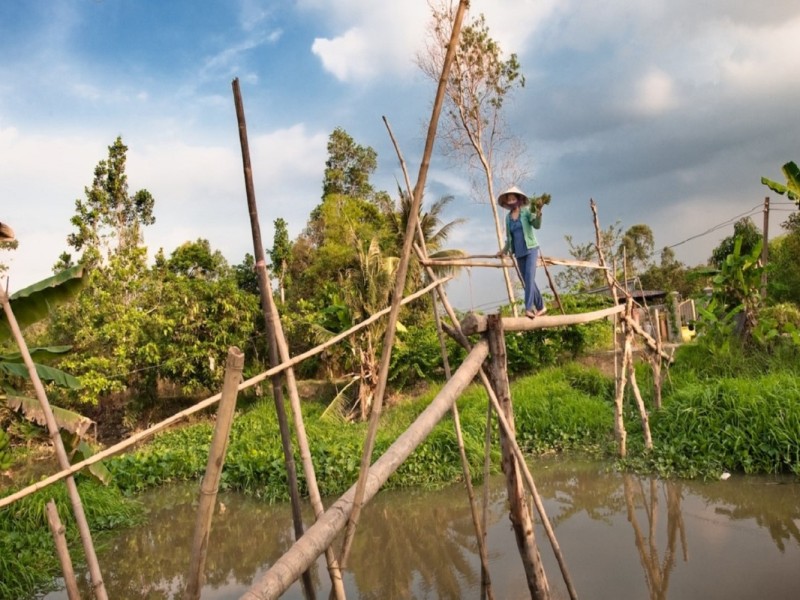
654 93
346 56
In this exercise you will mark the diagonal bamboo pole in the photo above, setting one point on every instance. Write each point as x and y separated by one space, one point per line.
278 351
63 461
422 253
400 283
203 404
210 483
324 531
266 306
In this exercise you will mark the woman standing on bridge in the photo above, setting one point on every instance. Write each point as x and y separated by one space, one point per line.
521 242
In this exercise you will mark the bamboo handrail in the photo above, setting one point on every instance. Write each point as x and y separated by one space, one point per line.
498 262
151 431
475 323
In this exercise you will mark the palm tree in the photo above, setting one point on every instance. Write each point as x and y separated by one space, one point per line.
434 233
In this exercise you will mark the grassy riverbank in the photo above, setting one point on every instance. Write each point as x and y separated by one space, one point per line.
718 415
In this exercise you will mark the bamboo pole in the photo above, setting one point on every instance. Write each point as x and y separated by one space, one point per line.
494 404
269 318
475 323
61 454
203 404
519 513
278 351
210 484
60 540
422 253
400 282
323 532
476 260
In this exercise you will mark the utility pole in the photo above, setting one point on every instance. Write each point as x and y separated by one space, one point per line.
765 250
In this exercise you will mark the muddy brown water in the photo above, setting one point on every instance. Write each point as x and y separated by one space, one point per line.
623 537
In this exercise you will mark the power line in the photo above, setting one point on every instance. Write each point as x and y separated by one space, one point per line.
749 213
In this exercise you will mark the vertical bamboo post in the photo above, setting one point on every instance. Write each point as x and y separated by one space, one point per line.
519 513
422 254
400 283
210 484
60 540
61 453
267 308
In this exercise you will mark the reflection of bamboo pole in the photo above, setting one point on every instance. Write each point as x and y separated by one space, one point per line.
518 507
210 483
274 333
60 540
400 283
61 453
324 531
422 253
203 404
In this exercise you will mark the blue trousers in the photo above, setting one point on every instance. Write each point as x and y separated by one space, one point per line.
527 266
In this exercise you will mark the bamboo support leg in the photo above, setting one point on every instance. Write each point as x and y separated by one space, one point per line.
60 540
648 438
518 509
210 484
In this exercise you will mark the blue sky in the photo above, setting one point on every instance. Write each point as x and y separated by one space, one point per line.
665 112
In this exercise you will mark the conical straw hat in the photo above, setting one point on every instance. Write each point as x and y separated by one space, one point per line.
502 199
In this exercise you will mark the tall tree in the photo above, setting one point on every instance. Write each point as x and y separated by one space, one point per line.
105 324
349 167
109 219
280 254
636 248
480 81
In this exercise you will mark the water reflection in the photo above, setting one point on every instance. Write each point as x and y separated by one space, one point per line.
622 537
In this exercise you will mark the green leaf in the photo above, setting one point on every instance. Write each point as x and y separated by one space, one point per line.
792 187
98 469
37 354
33 303
46 373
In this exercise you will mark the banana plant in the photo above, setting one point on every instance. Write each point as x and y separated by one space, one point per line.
792 187
30 305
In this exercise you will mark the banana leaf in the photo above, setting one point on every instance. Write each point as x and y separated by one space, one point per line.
33 303
65 419
38 354
57 376
792 187
75 424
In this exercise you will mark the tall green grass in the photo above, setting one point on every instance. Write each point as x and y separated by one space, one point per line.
749 425
28 562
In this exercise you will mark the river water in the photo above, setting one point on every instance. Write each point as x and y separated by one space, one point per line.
622 537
